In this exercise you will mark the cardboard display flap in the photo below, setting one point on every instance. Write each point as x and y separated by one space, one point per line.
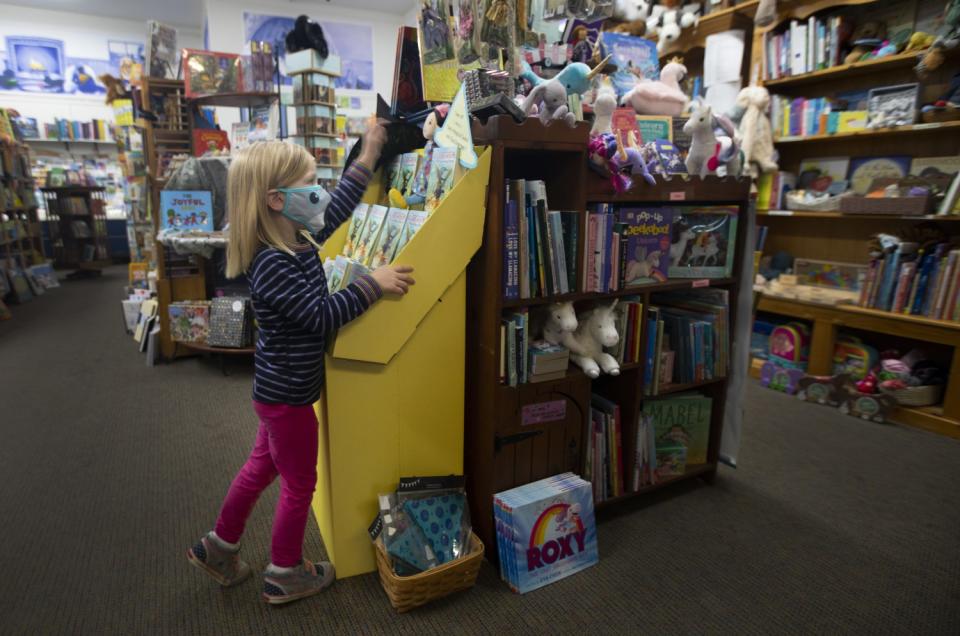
438 252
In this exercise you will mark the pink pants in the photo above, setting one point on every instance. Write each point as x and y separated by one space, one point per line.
286 445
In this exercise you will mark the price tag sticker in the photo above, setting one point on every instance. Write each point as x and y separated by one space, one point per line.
543 412
678 196
703 282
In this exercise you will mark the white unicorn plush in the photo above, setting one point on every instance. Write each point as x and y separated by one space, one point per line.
710 152
597 329
561 319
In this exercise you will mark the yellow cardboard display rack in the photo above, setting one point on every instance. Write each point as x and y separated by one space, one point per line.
393 403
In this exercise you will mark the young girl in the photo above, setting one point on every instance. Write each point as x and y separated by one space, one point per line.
272 195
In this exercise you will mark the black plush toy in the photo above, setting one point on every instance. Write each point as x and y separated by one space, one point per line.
404 134
307 35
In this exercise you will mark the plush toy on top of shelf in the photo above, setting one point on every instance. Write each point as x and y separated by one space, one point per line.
596 330
630 17
947 38
710 152
756 134
668 19
866 39
603 106
551 99
306 34
660 97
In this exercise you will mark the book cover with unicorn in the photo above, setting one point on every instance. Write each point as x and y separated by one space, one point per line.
546 531
647 256
703 242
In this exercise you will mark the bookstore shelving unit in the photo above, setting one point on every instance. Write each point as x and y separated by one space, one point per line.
178 277
21 238
500 451
845 237
77 220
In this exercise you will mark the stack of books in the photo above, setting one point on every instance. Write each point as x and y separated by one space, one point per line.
545 531
604 466
915 281
804 47
514 342
688 339
68 130
375 237
540 245
629 326
626 247
547 361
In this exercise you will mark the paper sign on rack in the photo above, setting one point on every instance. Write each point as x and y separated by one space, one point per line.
721 77
456 132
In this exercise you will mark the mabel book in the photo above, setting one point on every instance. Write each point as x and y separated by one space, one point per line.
682 419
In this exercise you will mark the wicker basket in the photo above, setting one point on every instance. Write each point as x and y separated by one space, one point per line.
408 592
926 395
829 204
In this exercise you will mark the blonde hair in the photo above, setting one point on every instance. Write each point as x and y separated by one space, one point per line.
255 171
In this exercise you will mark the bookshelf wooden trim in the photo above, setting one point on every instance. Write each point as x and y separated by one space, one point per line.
235 100
801 214
670 285
950 127
700 470
680 388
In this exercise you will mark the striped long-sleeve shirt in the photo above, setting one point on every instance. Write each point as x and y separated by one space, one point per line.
294 310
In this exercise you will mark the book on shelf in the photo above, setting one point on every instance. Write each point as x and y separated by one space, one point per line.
805 46
914 281
515 343
604 465
386 244
688 338
645 454
539 244
630 328
680 421
547 361
370 233
703 242
443 174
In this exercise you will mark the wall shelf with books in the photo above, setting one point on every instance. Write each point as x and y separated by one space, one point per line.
236 100
519 429
825 93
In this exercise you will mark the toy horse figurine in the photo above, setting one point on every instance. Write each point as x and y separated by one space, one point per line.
709 152
597 329
632 156
561 319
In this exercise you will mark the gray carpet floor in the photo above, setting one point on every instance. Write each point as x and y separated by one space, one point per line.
109 470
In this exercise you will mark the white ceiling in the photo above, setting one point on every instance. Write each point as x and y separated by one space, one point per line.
189 13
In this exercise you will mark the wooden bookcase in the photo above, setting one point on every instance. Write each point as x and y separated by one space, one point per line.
501 453
839 237
21 233
68 208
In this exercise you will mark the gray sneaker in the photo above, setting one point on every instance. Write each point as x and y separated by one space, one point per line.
223 565
305 580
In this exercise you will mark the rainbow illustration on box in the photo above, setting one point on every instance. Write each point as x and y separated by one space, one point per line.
545 531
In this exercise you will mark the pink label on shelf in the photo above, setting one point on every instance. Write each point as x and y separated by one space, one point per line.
543 412
703 282
678 196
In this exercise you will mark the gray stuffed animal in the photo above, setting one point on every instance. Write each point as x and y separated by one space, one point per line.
552 97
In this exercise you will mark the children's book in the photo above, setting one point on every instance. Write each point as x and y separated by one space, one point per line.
624 120
205 141
670 160
703 242
161 50
647 234
357 222
408 171
353 271
391 173
337 273
186 210
924 166
370 234
415 220
863 170
635 58
682 419
442 171
655 128
386 244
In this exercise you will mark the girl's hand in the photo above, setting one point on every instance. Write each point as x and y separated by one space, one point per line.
372 143
394 279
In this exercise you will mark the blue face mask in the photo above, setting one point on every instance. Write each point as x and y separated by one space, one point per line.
306 205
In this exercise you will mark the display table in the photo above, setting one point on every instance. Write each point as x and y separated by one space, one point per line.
393 401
